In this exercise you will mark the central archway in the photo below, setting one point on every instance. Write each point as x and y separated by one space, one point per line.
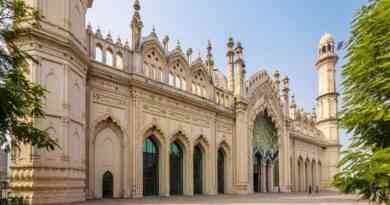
176 169
265 154
151 167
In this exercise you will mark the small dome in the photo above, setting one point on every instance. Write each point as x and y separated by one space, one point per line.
326 38
220 79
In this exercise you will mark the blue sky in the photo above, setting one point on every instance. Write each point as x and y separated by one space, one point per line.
276 34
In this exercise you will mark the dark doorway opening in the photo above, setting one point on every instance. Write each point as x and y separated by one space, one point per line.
257 175
108 185
221 171
176 169
198 170
151 167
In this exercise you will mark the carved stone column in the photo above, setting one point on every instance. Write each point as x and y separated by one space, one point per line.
271 178
241 149
164 173
263 178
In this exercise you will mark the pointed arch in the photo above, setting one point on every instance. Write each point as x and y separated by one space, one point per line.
153 44
107 154
107 118
200 165
202 141
156 132
178 56
179 163
223 167
108 122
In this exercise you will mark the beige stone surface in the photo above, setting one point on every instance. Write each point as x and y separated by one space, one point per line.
107 96
251 199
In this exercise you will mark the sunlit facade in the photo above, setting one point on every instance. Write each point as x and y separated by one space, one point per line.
139 118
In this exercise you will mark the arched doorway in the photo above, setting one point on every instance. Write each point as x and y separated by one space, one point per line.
265 154
176 169
198 170
300 175
221 171
151 167
257 172
108 185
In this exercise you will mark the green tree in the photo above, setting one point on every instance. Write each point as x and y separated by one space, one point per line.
21 101
365 167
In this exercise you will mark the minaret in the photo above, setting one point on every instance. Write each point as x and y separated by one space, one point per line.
230 68
327 108
210 59
136 26
327 95
239 75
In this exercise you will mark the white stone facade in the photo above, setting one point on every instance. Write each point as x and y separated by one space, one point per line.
107 98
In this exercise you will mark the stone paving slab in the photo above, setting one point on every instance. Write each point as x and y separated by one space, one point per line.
253 199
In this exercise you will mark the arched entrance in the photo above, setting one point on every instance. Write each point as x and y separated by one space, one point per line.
265 154
198 169
107 185
150 167
176 169
221 171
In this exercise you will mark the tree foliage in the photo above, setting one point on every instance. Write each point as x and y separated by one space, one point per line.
365 167
21 101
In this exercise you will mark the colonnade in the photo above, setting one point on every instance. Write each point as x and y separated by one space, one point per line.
307 175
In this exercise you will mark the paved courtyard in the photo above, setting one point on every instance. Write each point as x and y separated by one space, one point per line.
274 199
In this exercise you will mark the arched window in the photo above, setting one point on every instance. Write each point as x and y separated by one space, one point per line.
109 57
198 170
176 169
150 167
99 53
119 61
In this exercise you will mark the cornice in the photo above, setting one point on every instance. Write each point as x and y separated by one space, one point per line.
334 94
326 58
327 120
309 140
69 42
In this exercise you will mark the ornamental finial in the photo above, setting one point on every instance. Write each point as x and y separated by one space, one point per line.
137 5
